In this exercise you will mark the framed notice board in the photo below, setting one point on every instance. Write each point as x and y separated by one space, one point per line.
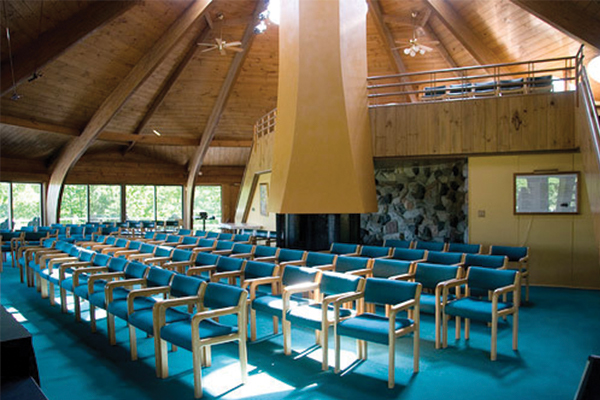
553 193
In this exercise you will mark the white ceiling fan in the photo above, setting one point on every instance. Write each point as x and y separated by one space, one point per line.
415 45
221 44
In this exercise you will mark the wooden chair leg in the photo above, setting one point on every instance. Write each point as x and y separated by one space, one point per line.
516 330
162 358
93 317
110 326
275 325
51 294
207 356
243 357
494 336
252 325
416 350
337 342
287 337
457 327
63 300
391 362
197 357
325 348
77 306
467 328
437 326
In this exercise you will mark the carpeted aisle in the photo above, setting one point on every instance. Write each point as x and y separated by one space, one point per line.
557 331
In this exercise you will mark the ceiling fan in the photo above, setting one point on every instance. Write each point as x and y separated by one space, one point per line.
415 45
221 44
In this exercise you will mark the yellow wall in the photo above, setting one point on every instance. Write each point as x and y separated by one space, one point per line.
563 248
254 215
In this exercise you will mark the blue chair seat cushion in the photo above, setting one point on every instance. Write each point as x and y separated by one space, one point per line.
473 308
55 275
99 300
82 289
273 305
180 333
118 307
427 303
310 315
143 319
370 327
67 283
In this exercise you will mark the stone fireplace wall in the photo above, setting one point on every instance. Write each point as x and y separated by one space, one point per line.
419 201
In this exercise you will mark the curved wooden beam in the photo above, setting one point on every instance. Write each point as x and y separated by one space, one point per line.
211 126
113 103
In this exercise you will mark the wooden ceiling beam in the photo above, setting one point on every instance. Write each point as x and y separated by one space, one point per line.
459 28
210 129
173 77
54 42
113 103
568 17
389 42
440 46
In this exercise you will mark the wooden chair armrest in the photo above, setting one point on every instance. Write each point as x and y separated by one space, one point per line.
405 305
202 249
219 312
87 270
110 286
216 276
159 260
139 256
299 288
60 261
185 246
327 267
174 265
503 290
256 282
118 253
222 252
241 255
402 277
359 272
297 262
270 259
199 270
144 292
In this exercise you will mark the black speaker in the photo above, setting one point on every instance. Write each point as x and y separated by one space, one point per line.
589 388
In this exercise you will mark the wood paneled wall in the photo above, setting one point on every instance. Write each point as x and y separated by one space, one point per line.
518 123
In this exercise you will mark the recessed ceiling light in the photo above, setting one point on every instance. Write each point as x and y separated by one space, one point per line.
157 133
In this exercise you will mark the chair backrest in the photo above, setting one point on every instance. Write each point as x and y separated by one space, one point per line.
200 233
218 295
490 279
387 291
432 246
485 261
335 283
374 251
259 269
229 264
430 275
86 255
344 248
49 243
206 243
147 248
190 240
117 264
397 243
347 264
77 230
212 235
224 245
408 254
183 286
135 270
244 237
65 247
265 251
111 240
121 242
172 239
163 251
384 268
206 259
242 248
466 248
314 259
291 255
101 260
149 235
293 275
134 245
158 277
184 232
181 255
513 253
225 236
74 251
440 257
101 238
160 236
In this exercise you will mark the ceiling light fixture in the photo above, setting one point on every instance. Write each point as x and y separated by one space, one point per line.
157 133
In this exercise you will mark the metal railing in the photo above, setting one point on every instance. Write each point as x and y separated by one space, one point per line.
266 124
547 75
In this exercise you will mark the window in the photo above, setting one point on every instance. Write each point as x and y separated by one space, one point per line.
207 199
5 209
105 203
74 204
27 204
140 203
169 203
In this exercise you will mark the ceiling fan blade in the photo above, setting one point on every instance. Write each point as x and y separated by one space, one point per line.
209 49
222 51
237 49
206 44
229 44
430 42
219 42
426 48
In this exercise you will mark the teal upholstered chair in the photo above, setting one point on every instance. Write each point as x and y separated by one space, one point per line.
188 243
184 232
265 251
430 246
465 248
290 257
108 242
272 303
518 258
370 327
409 254
433 277
223 268
200 234
350 265
444 258
242 238
198 332
242 250
391 269
258 270
64 276
96 240
40 259
181 259
398 243
26 254
145 251
318 314
223 247
172 240
80 277
148 236
50 271
226 236
93 290
162 255
485 261
205 244
497 283
375 252
314 259
212 235
122 247
344 249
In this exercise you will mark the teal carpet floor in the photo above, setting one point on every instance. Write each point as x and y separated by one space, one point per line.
558 329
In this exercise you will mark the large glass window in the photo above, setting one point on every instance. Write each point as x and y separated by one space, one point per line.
5 205
105 203
169 205
74 204
140 203
207 199
27 204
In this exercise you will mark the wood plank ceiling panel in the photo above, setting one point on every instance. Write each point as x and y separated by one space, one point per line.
27 144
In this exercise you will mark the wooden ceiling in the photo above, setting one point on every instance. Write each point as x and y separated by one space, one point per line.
83 50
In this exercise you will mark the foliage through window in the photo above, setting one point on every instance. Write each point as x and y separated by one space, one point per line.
27 204
169 204
5 205
105 203
74 204
140 203
207 199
